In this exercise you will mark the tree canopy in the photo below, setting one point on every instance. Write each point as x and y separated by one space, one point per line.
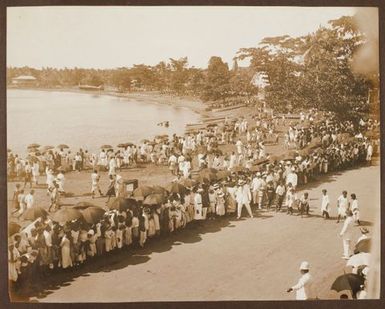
298 72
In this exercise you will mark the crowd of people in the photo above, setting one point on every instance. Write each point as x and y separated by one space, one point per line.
220 185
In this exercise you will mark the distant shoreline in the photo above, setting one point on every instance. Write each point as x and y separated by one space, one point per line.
193 104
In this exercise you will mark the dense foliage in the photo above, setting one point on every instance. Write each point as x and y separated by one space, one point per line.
299 72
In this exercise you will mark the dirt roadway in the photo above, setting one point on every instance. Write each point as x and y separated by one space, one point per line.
251 259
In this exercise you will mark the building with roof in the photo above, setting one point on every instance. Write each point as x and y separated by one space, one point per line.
24 80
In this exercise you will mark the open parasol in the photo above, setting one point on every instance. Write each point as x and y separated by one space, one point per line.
83 205
106 146
159 190
34 212
223 174
122 204
363 245
13 228
33 145
66 215
175 187
350 282
188 183
63 146
143 191
359 259
93 214
154 199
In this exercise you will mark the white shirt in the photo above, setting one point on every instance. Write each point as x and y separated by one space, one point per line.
292 178
354 205
256 184
29 200
346 231
95 178
343 202
304 287
325 203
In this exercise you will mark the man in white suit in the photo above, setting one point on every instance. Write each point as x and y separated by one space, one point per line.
303 288
346 234
243 198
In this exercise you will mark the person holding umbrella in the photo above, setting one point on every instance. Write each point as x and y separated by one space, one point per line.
346 234
304 286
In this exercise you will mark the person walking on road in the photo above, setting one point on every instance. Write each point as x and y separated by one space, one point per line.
325 204
95 178
342 205
304 286
355 209
346 234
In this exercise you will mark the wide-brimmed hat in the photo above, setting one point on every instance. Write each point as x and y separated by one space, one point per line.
304 265
364 230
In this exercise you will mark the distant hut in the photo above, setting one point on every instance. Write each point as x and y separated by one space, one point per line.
24 81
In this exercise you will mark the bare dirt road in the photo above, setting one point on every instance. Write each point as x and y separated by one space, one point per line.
250 259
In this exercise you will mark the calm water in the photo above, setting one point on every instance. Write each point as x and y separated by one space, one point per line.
86 120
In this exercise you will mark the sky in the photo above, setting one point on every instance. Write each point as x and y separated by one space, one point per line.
110 37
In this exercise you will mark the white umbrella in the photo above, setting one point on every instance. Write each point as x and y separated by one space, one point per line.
359 259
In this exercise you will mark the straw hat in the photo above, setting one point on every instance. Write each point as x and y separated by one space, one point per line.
304 266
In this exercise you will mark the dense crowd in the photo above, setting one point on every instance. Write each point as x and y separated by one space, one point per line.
220 185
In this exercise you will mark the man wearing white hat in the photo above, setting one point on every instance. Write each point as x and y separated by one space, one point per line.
303 287
243 197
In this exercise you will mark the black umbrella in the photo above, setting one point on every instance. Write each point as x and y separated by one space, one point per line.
363 246
175 187
93 214
63 146
349 281
13 228
105 146
34 212
34 145
83 205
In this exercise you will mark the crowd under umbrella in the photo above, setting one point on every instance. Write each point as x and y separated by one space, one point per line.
223 174
348 282
66 214
13 228
33 145
34 212
189 183
83 205
363 245
359 259
47 148
93 214
106 146
154 199
142 191
206 175
159 190
122 204
63 146
175 187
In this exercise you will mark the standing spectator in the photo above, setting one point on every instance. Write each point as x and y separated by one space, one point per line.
325 204
355 209
346 234
342 206
304 287
29 199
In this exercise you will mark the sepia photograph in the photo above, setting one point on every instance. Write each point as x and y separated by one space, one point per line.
192 153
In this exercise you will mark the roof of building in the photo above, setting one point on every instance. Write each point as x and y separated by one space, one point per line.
24 77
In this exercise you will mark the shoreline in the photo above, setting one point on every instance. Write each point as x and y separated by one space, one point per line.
195 105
